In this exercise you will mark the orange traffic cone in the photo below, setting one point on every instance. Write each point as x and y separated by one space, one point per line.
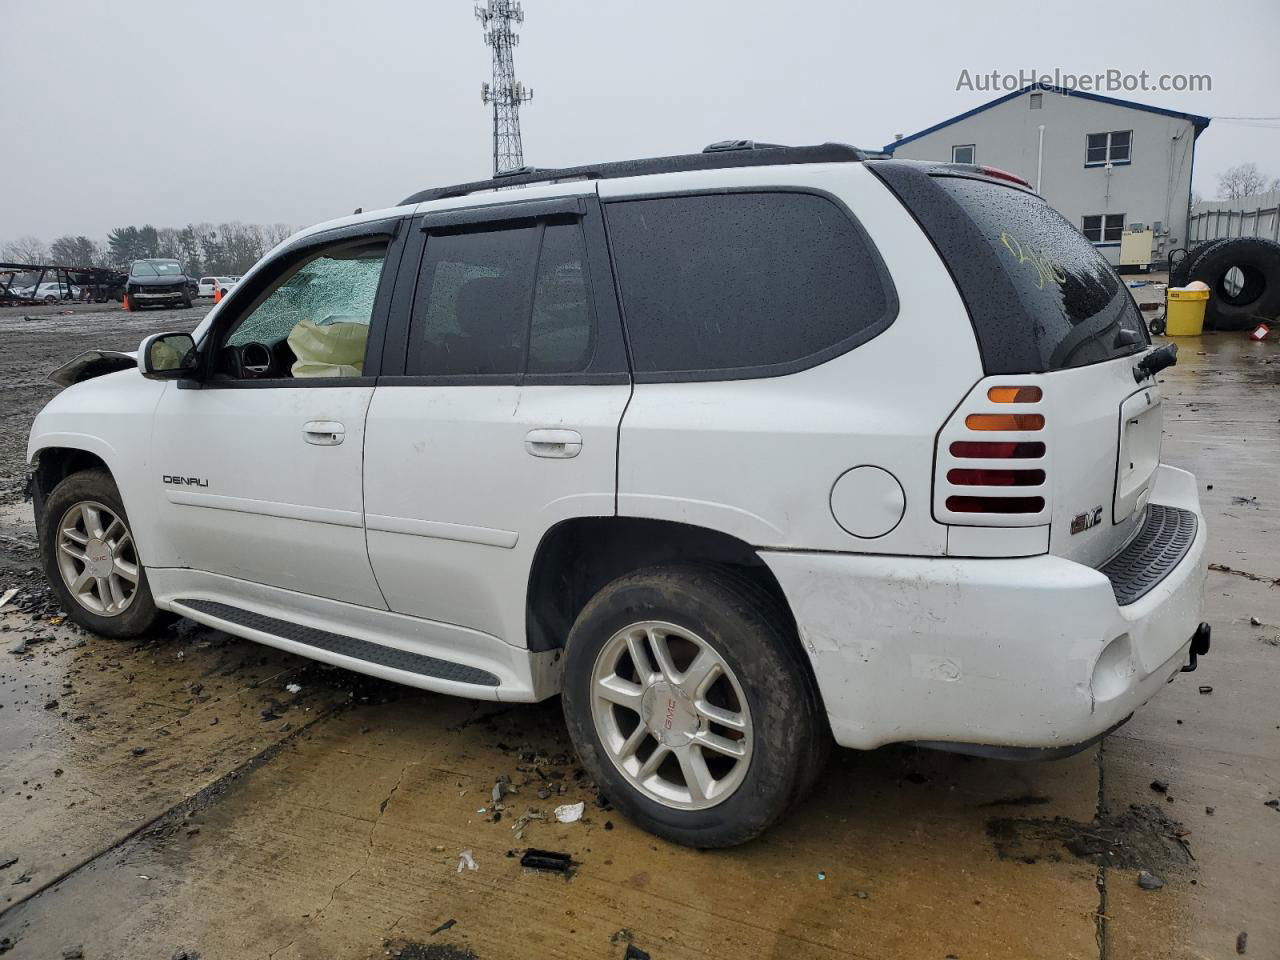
124 301
217 293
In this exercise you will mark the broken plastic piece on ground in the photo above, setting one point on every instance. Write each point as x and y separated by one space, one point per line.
444 926
293 688
1260 332
570 812
635 953
466 861
548 860
7 596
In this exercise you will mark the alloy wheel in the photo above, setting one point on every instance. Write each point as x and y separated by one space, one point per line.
97 558
671 715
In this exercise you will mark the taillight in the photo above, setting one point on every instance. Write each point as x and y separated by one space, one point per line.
992 464
980 449
996 478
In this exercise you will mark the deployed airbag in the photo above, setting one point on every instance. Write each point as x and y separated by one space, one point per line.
333 347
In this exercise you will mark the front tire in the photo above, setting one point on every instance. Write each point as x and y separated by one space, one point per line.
686 695
90 559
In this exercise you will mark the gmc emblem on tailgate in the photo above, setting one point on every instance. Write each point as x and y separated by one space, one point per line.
1083 521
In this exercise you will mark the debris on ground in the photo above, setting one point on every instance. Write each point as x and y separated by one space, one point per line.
1160 786
408 950
499 788
1206 689
1209 811
466 861
7 596
1272 803
293 688
7 861
1140 838
570 812
1149 881
1255 621
447 925
635 953
1242 942
547 860
73 953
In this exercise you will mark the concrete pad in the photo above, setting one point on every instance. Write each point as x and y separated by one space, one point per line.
353 836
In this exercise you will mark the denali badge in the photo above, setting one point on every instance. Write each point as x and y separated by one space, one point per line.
1083 521
186 481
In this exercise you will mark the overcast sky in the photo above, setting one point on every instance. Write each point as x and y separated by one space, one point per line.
295 111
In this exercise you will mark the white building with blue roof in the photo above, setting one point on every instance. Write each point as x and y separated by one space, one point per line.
1110 166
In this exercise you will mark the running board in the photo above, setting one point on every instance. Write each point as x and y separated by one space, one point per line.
375 653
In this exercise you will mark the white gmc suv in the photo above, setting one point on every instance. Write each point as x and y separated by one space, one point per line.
739 452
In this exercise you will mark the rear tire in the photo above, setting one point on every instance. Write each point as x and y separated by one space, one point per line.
756 707
72 544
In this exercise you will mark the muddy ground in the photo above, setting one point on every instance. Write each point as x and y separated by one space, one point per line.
177 796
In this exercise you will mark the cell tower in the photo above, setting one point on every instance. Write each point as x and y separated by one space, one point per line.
505 93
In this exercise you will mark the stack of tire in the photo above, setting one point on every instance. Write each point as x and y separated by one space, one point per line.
1243 276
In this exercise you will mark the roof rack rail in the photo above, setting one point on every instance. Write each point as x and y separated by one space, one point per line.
720 155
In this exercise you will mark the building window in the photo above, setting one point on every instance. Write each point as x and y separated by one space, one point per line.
963 153
1110 147
1103 228
1037 101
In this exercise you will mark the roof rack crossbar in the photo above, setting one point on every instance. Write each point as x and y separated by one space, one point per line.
725 153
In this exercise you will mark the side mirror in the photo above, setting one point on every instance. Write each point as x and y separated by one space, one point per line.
168 356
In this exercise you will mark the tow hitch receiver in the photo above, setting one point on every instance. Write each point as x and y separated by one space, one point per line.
1199 646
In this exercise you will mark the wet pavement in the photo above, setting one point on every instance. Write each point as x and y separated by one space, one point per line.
174 795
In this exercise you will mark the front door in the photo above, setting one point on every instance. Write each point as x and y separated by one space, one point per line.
258 471
504 420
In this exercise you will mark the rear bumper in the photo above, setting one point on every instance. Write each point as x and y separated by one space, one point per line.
1031 653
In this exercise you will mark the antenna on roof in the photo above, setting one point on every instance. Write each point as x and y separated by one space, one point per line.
504 92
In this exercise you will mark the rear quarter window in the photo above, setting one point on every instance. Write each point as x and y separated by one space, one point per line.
737 285
1040 296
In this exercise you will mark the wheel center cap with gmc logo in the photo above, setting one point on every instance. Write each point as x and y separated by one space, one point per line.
97 558
669 714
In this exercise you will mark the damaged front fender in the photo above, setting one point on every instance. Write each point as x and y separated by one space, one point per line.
93 363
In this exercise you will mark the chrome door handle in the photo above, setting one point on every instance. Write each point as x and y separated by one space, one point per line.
324 433
560 444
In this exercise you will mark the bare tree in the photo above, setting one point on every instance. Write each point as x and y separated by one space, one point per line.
1243 180
25 250
277 233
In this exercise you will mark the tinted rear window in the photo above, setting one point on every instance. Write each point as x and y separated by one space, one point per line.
1041 296
744 284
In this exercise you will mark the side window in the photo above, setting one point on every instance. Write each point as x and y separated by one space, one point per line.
503 301
315 321
561 333
472 304
744 284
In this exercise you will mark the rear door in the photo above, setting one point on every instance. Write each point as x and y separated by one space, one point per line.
1049 313
502 417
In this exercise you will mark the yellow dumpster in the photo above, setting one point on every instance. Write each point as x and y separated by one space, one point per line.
1185 312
